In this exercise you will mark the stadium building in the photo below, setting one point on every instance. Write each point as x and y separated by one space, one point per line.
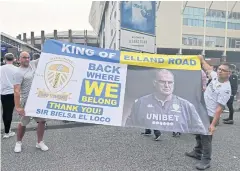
83 37
10 44
209 28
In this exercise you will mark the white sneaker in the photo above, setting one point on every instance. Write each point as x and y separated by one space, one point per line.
18 147
42 146
10 134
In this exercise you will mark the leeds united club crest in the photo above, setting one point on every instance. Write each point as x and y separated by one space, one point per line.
57 75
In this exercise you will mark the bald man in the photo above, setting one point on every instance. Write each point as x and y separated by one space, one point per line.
22 85
163 110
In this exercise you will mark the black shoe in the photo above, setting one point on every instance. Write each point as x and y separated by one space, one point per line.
65 121
228 122
193 154
157 137
202 165
226 119
146 133
176 134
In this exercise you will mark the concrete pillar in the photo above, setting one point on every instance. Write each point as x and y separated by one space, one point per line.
19 37
70 36
42 38
25 37
55 34
32 39
86 38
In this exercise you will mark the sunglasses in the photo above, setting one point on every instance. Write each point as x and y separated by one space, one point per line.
163 82
223 70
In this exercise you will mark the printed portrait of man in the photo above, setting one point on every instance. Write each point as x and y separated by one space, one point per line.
163 110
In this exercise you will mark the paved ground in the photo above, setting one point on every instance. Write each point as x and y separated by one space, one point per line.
84 147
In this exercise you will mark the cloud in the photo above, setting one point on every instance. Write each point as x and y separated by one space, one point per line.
19 16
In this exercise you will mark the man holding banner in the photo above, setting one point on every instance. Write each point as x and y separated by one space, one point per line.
23 81
216 96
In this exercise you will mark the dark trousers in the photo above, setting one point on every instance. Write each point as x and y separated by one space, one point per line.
204 146
156 132
7 113
230 107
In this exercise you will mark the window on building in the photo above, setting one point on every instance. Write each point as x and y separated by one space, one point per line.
115 14
234 42
209 43
237 26
197 40
185 21
192 40
219 42
190 22
234 16
231 26
212 41
190 11
196 11
200 42
213 13
195 23
238 15
218 24
185 40
201 23
208 23
222 14
215 18
237 43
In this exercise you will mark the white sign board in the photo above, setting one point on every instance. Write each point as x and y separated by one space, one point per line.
137 41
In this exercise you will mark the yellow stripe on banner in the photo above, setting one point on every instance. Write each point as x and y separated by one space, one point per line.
181 62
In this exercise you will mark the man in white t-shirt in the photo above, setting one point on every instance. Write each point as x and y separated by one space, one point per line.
216 96
7 95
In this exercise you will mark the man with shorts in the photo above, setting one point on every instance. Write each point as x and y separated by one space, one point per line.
22 85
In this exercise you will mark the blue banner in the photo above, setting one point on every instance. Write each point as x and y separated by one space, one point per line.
81 51
92 85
